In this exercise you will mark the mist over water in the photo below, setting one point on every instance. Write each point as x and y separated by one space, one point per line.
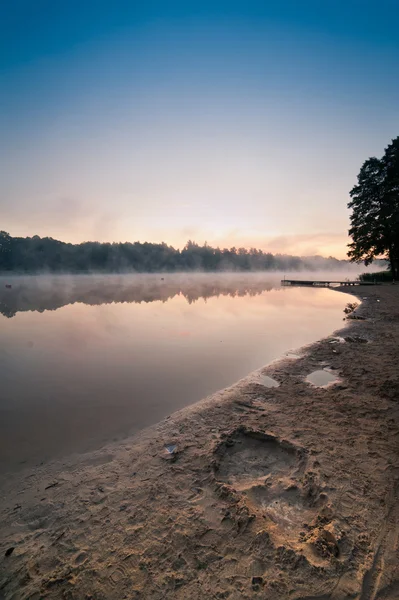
89 359
51 292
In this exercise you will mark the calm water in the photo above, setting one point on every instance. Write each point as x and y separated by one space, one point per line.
88 359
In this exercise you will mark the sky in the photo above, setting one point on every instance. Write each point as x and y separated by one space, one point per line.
239 123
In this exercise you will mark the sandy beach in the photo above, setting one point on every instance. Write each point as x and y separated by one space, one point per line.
287 492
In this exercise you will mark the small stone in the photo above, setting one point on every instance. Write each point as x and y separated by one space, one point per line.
257 580
9 551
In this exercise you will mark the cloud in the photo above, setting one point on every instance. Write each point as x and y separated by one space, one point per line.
310 244
304 244
68 219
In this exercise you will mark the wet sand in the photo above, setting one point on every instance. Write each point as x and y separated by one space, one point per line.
287 492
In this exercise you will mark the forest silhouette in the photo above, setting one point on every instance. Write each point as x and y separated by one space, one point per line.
38 255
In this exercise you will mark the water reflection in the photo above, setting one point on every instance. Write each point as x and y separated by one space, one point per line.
85 360
268 381
321 378
50 293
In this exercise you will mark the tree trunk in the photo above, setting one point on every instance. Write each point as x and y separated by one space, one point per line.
393 263
394 268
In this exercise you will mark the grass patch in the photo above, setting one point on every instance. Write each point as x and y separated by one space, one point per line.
383 276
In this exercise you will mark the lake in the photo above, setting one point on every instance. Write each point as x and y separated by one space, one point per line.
89 359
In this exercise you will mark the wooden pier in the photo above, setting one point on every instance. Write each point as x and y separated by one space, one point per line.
318 283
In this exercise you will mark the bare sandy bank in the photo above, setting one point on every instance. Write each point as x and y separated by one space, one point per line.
275 493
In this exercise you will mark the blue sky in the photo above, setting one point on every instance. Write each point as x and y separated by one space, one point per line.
239 123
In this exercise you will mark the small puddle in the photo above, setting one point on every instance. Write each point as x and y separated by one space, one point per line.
268 381
292 355
355 339
170 448
337 340
321 378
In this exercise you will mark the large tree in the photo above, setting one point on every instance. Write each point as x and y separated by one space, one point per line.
5 251
375 210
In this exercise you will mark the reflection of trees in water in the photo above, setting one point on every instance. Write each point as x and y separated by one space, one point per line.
46 293
6 310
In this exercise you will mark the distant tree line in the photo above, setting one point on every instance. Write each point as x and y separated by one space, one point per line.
36 255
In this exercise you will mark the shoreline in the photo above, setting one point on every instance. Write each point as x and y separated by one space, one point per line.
81 416
283 492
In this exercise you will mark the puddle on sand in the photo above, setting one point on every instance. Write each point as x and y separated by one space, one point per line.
321 378
171 448
355 339
292 355
268 381
337 340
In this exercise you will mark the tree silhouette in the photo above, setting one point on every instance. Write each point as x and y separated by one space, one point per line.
375 210
5 251
46 255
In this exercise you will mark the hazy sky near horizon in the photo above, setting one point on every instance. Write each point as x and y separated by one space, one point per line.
241 122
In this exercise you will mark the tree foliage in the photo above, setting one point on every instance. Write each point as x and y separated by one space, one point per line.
375 210
37 255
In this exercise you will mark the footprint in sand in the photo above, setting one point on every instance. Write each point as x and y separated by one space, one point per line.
270 475
80 558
